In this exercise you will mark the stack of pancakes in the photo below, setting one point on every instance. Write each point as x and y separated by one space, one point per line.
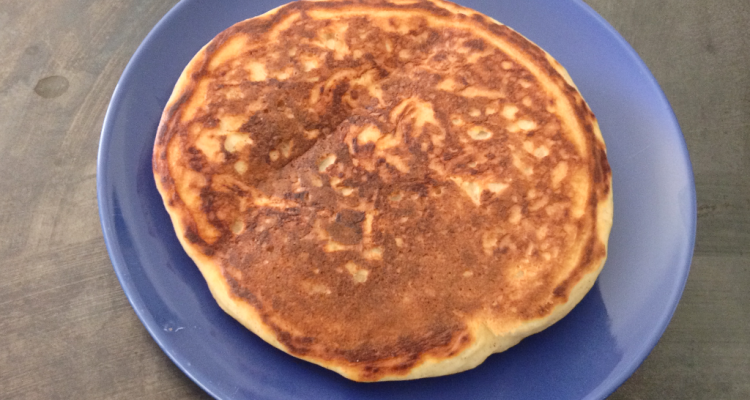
389 189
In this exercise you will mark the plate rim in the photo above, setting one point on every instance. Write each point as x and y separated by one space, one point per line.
687 258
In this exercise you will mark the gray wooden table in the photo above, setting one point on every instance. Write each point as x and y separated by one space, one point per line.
67 330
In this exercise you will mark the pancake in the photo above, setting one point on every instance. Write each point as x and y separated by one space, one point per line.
389 189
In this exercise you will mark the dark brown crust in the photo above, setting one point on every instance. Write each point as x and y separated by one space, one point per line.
366 325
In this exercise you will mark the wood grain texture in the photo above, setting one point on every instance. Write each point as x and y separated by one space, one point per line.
68 330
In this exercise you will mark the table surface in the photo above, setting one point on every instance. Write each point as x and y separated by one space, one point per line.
68 330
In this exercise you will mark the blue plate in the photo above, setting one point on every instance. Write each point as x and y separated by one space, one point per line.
587 355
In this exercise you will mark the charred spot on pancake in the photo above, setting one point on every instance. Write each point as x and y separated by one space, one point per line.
350 217
346 228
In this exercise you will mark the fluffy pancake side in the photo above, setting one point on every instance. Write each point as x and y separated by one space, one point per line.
391 190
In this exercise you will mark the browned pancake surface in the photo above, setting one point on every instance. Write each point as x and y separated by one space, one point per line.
374 183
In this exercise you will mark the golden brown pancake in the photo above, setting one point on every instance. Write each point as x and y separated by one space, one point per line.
389 189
